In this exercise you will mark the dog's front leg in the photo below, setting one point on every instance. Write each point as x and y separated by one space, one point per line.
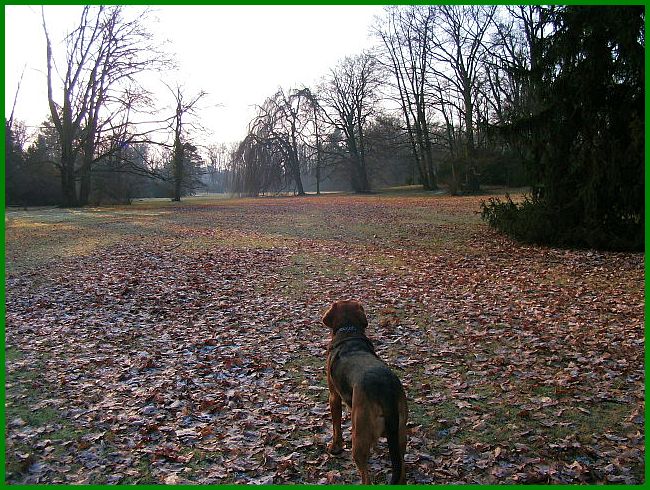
336 446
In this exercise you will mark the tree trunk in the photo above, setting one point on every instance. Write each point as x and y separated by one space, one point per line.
361 167
68 177
469 119
295 162
363 178
427 150
68 188
178 169
318 159
298 180
358 176
84 188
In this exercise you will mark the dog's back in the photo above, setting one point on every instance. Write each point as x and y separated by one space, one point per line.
355 364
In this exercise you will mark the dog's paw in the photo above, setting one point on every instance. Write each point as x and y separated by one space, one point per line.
335 447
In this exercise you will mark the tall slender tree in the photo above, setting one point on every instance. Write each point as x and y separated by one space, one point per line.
350 92
182 148
405 33
457 63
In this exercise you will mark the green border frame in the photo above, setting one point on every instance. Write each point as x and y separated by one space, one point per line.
299 2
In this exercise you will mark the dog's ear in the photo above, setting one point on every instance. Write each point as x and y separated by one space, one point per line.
328 317
361 316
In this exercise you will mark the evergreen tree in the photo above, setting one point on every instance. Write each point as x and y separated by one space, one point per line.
590 161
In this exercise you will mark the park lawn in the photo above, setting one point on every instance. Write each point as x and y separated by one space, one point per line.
180 343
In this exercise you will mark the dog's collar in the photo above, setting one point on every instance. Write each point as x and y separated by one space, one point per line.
357 334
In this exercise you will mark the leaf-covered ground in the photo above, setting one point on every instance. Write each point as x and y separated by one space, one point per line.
164 343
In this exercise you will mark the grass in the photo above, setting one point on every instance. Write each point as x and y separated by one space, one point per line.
143 471
43 235
12 354
47 422
305 265
35 418
26 407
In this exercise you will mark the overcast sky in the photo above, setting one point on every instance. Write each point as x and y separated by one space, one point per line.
238 54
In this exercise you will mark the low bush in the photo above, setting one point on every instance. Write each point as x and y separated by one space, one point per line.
533 220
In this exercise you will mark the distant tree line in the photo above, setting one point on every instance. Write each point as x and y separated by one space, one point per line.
444 76
106 140
454 96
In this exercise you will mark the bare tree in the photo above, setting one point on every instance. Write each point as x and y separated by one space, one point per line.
9 124
182 147
217 163
317 156
284 115
279 135
515 71
405 33
458 53
255 167
350 93
104 55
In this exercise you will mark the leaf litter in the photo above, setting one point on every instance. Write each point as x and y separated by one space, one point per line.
150 362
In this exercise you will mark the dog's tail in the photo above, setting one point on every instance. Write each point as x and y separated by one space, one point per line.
396 435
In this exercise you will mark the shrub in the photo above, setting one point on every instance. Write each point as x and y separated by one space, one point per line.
528 221
535 221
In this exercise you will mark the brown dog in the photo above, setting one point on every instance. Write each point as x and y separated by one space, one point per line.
375 396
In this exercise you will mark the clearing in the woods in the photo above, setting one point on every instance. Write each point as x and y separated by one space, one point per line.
181 343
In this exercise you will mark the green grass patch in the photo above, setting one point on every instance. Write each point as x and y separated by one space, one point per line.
13 354
35 418
144 473
308 267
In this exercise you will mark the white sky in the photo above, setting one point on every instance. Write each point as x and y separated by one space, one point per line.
238 54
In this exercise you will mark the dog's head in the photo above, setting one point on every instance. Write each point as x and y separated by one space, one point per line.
346 313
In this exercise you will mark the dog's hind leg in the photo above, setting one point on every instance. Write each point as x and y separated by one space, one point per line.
396 436
367 425
361 453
